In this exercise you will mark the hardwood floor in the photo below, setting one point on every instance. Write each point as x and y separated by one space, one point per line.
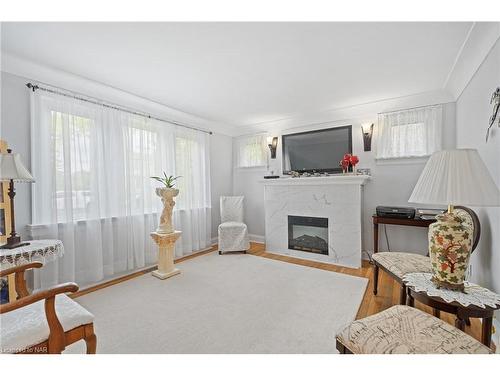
388 289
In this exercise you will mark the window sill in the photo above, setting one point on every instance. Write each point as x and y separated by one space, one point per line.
34 227
403 160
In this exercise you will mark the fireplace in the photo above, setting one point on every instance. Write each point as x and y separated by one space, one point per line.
309 234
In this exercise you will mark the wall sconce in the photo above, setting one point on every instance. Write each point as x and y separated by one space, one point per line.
273 144
367 130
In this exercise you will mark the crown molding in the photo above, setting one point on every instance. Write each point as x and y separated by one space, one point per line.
364 112
30 70
479 41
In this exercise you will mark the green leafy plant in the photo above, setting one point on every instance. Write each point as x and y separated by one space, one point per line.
168 181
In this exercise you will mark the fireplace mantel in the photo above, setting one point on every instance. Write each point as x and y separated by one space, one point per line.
336 198
323 180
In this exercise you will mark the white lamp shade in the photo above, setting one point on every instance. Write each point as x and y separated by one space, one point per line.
456 177
11 168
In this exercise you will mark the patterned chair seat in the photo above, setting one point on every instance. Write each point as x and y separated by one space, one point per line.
27 326
400 264
406 330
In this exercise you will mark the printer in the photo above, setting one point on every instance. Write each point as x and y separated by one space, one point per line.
396 212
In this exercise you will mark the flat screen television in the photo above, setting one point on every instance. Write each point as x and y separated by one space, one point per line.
316 151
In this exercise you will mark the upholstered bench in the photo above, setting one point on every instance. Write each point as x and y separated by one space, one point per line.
397 265
405 330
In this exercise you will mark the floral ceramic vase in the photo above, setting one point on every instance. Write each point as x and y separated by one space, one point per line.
450 244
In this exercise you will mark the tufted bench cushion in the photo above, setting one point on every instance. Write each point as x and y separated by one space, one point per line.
406 330
27 326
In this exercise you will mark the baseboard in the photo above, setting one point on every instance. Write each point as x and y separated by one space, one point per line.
257 238
253 238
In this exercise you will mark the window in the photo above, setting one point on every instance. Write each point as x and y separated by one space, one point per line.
251 151
93 166
188 163
72 164
142 151
409 133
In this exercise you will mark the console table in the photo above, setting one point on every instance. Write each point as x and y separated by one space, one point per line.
415 222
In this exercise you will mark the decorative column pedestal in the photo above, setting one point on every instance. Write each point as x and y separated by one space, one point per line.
166 244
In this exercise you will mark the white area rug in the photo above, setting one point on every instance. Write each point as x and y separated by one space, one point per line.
225 304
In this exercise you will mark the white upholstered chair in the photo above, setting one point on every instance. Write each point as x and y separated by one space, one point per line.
233 232
44 322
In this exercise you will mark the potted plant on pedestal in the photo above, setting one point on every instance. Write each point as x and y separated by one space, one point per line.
167 194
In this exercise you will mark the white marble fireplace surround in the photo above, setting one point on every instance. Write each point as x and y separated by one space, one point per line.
338 198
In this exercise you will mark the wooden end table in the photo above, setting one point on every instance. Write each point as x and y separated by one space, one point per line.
462 313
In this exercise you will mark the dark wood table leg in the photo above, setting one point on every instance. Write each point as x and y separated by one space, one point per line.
436 313
375 279
375 238
402 295
460 322
486 331
410 301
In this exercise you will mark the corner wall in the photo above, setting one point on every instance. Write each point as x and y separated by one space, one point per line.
473 112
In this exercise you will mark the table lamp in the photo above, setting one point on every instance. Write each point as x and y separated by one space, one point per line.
12 169
453 177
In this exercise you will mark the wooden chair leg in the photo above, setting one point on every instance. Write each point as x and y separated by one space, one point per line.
342 349
90 339
375 279
402 295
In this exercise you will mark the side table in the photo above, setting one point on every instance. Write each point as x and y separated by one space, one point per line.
38 250
476 302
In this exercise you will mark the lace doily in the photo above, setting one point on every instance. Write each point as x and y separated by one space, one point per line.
38 250
473 294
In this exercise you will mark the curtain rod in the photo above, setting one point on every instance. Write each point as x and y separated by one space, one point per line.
409 109
73 95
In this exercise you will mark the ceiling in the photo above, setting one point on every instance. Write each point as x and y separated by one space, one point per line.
247 73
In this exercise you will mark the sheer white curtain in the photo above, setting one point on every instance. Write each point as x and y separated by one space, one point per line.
93 191
251 151
409 133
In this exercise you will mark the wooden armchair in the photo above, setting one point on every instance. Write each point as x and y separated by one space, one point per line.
399 264
25 329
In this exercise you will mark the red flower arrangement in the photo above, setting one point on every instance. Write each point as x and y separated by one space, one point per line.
347 161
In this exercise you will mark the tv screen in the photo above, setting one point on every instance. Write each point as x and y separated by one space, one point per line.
316 151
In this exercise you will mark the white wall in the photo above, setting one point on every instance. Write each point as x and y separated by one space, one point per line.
473 112
221 175
15 129
391 184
